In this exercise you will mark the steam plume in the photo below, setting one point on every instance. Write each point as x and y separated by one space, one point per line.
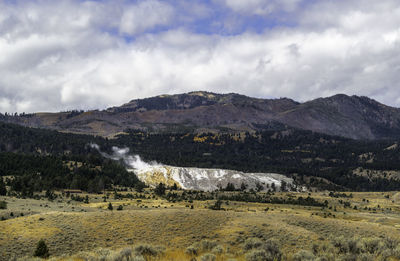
133 162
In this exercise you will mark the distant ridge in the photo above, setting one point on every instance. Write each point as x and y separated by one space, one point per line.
348 116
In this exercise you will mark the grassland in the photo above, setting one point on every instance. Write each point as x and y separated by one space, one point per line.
75 229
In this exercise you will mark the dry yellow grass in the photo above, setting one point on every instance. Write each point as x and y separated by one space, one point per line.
175 226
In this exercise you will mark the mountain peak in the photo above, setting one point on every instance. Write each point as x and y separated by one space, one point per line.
357 117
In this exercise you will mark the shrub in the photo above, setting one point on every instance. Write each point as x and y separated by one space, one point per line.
340 243
349 257
372 245
110 206
391 243
138 258
387 254
315 248
217 205
366 257
114 257
354 246
208 257
207 245
3 205
126 253
396 252
252 243
149 250
102 252
272 248
258 255
303 255
120 207
218 250
192 250
326 257
41 249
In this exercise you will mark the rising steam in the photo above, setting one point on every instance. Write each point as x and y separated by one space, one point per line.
191 178
133 162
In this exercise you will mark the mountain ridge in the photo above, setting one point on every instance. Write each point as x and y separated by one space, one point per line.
356 117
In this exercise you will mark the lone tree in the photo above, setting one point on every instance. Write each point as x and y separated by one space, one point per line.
41 249
3 190
110 206
160 189
230 187
283 186
217 205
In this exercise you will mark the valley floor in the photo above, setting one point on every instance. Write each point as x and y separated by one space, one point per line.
69 227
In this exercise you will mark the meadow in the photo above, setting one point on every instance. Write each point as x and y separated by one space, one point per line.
352 226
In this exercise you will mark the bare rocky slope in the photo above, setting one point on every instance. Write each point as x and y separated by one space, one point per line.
348 116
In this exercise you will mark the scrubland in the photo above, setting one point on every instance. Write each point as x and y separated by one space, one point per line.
363 226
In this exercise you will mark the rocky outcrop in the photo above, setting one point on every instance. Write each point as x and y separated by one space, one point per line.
209 179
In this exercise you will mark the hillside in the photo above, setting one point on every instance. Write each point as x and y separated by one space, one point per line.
347 116
315 160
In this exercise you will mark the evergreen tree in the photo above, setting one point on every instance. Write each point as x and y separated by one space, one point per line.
243 186
3 190
160 189
283 185
41 249
230 187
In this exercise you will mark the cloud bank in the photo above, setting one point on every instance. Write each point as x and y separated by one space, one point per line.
70 54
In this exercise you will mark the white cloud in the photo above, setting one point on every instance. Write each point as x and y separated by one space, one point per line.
145 15
260 7
72 56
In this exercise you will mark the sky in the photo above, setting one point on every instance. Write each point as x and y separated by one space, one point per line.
71 54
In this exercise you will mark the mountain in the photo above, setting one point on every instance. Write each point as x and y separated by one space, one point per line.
348 116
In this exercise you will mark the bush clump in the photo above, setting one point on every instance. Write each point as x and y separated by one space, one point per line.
41 249
304 255
217 250
207 245
252 243
354 248
262 250
149 250
208 257
258 255
272 248
204 246
192 250
138 258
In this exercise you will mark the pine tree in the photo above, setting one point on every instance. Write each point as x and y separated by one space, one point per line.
3 190
41 249
160 189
